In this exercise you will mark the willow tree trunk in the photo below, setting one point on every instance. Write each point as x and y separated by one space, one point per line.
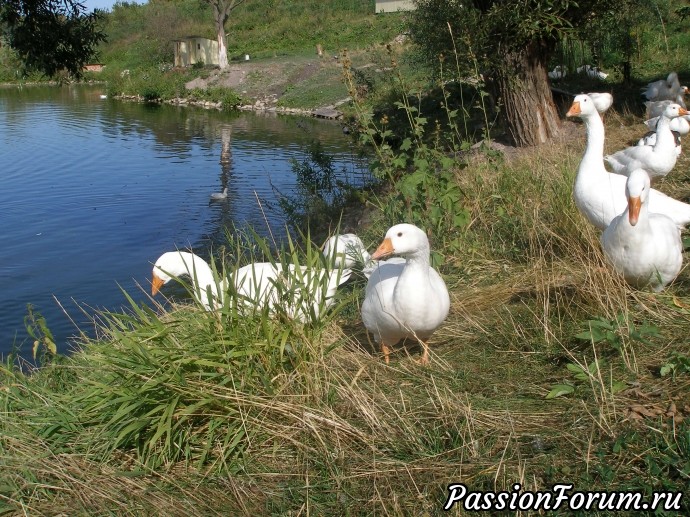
221 12
222 49
522 88
220 16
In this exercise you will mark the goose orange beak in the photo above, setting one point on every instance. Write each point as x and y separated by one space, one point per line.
634 205
683 111
385 249
156 284
574 110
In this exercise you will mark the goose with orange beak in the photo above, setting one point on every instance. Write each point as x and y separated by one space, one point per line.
312 290
404 299
658 159
600 195
644 247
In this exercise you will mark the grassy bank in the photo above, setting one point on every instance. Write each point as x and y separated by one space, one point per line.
549 368
195 413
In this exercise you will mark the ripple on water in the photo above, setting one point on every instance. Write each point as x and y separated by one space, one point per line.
94 191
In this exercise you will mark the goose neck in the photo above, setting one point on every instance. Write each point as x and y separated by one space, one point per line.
595 138
419 260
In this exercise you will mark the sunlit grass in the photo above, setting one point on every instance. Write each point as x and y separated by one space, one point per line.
191 412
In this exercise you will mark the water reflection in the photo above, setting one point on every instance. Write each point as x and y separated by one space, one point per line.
94 190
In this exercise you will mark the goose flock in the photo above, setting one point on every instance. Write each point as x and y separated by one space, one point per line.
406 298
641 227
256 285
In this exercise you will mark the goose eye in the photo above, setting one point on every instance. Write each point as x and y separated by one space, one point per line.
399 234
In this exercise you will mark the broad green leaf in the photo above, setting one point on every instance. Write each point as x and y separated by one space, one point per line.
618 386
560 390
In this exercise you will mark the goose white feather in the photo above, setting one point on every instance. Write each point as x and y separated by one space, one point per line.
346 250
600 195
649 138
602 101
206 288
680 125
658 160
256 284
644 247
404 300
592 71
666 89
219 196
558 72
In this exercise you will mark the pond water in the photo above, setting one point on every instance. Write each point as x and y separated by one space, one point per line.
93 190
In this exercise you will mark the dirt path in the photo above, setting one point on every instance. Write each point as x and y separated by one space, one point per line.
307 84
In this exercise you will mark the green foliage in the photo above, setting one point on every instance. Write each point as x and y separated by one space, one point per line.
320 196
179 387
584 374
488 30
50 36
669 459
152 84
141 35
419 161
615 333
153 396
677 364
228 97
44 347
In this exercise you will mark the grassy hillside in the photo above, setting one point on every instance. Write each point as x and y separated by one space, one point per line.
142 35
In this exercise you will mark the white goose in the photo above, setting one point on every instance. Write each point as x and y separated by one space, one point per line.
679 125
255 284
658 160
646 248
599 194
219 196
407 300
346 250
207 289
669 89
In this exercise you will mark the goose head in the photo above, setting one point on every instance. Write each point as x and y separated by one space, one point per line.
171 265
345 250
582 106
405 240
674 110
636 190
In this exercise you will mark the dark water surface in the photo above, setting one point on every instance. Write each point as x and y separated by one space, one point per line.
93 190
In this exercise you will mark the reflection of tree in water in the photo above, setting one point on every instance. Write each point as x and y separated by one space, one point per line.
255 150
225 154
226 206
